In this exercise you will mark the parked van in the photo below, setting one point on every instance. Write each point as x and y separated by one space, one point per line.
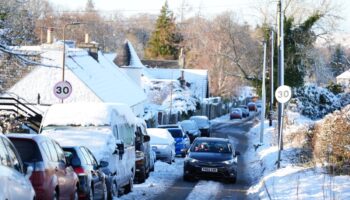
108 130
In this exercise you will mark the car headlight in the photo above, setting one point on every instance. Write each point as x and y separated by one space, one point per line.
229 162
191 160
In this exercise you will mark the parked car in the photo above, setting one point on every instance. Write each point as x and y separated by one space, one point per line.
163 144
211 158
52 175
108 130
245 110
203 124
14 176
236 113
182 141
191 129
252 106
143 152
92 181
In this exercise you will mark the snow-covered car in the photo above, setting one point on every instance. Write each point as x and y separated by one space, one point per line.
245 110
211 157
163 144
236 113
52 176
203 124
190 128
108 130
14 178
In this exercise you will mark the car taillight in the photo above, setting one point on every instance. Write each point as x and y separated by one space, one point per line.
79 170
37 177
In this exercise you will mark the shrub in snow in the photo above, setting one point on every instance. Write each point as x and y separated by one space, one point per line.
332 139
316 102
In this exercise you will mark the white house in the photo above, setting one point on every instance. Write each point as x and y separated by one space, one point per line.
91 80
344 80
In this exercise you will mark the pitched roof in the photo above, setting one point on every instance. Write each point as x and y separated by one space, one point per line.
345 75
92 81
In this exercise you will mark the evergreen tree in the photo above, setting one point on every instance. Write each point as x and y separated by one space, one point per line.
299 39
164 39
338 61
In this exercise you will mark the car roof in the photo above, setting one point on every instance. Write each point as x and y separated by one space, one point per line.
35 137
212 139
168 126
199 117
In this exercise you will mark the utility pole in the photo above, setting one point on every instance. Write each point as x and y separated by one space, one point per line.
263 94
271 77
280 77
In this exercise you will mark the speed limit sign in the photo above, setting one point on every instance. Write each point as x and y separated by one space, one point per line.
62 89
283 93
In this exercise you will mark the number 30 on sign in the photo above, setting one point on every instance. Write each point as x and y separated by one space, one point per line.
283 93
62 89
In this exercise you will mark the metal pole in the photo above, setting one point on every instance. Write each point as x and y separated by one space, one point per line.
271 77
263 91
280 78
64 54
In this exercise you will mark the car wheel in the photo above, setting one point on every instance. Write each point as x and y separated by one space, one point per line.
105 192
55 195
129 187
142 176
186 178
113 192
91 193
232 180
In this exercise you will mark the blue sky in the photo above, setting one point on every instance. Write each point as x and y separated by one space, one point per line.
245 9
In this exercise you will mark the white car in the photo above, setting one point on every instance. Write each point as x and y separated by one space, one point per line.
163 144
14 183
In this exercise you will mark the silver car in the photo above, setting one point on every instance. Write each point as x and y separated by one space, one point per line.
163 144
14 181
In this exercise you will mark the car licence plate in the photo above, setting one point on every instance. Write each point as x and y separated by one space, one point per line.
207 169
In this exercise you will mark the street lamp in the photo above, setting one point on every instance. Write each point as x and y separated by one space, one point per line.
64 46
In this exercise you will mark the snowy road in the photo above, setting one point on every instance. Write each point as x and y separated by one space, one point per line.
167 183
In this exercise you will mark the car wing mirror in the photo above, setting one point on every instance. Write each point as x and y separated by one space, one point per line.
29 172
103 164
146 138
119 149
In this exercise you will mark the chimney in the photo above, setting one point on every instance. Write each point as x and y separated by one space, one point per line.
87 38
49 38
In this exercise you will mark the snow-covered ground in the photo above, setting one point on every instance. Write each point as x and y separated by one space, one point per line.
290 181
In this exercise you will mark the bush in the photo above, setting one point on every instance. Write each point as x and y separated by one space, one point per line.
331 142
335 88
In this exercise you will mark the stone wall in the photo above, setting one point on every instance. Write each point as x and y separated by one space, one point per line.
11 71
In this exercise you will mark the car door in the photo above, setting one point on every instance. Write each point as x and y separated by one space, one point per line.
65 174
16 181
97 177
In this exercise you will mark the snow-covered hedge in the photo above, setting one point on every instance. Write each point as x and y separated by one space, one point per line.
316 102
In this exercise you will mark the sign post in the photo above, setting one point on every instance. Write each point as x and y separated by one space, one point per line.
283 95
62 90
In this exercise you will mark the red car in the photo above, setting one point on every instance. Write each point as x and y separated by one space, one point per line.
52 177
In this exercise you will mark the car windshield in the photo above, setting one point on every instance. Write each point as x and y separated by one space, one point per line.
201 122
175 132
189 125
211 146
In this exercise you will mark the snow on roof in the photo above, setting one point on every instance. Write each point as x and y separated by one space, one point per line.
134 58
86 114
91 81
345 75
160 136
196 77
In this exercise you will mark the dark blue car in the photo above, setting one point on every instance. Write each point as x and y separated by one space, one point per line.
182 141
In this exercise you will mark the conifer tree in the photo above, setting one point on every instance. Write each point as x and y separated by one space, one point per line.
164 39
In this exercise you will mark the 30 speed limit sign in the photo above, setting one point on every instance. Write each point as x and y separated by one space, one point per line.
283 93
62 89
